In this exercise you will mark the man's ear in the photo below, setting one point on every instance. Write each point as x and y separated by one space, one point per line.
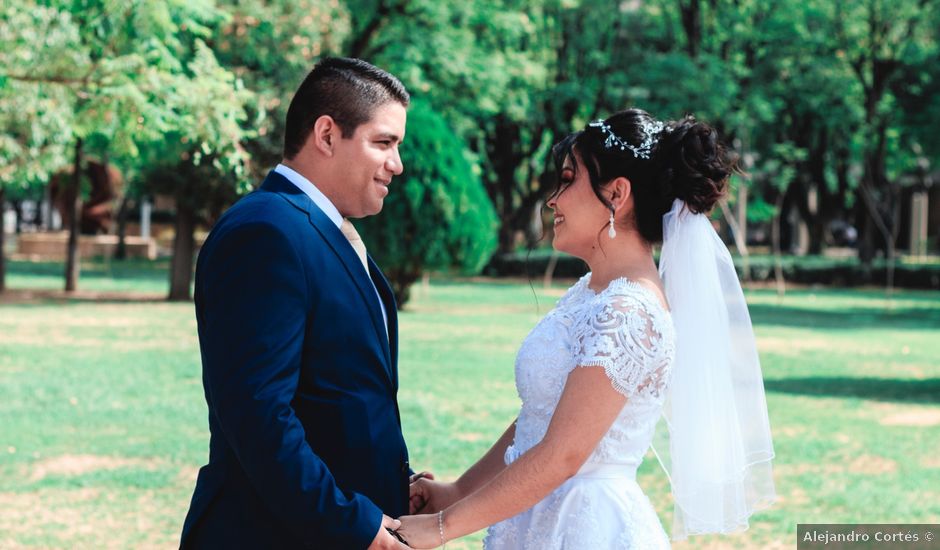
324 135
620 190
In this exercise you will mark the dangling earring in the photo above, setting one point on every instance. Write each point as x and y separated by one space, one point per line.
611 232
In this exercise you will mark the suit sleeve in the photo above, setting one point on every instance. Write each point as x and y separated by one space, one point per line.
252 303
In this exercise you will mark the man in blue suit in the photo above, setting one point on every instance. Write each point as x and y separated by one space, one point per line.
298 335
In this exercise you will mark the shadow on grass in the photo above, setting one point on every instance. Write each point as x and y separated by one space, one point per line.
133 269
101 281
43 297
879 389
845 318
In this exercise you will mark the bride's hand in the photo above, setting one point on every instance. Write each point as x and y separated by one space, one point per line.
420 531
428 496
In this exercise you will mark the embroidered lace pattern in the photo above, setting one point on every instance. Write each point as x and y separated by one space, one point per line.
625 330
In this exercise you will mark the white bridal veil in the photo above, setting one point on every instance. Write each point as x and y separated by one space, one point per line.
714 440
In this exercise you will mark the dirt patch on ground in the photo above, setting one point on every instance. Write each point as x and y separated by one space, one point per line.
798 469
842 438
187 475
49 337
790 431
25 513
919 417
932 462
82 518
872 465
858 464
796 498
75 465
729 542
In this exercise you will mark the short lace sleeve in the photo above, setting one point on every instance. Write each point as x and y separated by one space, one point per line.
630 337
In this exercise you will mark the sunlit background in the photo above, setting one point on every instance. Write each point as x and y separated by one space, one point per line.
127 127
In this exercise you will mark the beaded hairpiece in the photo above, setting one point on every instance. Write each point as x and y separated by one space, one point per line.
651 131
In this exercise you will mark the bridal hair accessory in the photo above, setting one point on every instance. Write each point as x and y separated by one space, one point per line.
714 442
612 231
651 131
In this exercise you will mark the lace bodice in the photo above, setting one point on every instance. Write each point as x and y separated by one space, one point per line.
623 329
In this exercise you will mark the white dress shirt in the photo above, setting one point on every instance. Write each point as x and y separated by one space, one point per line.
329 209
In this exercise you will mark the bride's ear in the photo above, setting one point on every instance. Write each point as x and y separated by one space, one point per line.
620 190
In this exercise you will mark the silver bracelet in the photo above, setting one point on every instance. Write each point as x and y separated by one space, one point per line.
440 527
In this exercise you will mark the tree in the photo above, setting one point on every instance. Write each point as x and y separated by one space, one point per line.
133 73
201 191
35 120
878 39
483 65
209 165
437 215
271 45
259 52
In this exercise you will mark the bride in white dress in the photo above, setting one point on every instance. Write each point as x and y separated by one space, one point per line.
620 351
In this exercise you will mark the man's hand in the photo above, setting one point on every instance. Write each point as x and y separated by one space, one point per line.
383 539
416 501
420 475
427 496
421 531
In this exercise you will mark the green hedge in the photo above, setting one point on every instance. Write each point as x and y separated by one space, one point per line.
797 269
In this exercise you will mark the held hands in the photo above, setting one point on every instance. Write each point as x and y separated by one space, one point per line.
384 540
429 496
420 531
417 502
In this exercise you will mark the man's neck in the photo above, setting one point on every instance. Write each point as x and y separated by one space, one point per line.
302 168
314 175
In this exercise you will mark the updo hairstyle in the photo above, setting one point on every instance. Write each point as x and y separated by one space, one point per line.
686 160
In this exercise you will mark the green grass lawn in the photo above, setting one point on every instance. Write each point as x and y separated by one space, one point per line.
97 275
103 422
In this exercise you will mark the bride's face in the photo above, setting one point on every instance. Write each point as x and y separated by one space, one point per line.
580 217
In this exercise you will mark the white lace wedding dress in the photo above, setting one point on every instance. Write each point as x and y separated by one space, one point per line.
625 330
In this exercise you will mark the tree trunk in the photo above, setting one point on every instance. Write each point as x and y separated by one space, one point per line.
507 237
121 252
775 239
502 150
72 263
550 269
742 225
692 24
819 214
3 267
737 235
401 280
181 266
18 210
866 245
887 233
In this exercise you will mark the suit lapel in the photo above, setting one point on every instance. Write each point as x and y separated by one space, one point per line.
391 310
347 255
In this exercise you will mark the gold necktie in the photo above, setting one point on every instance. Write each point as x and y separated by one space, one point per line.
349 231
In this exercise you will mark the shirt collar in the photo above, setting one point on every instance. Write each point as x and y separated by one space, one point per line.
311 191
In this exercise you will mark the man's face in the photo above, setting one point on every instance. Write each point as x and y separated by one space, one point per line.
369 159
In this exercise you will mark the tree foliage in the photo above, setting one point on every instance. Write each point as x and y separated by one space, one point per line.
128 81
437 216
832 104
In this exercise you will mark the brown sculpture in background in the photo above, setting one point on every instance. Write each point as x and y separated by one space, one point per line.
98 210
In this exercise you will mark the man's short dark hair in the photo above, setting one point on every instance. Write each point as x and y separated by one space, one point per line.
348 90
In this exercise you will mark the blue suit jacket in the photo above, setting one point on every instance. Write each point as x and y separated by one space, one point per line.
305 448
